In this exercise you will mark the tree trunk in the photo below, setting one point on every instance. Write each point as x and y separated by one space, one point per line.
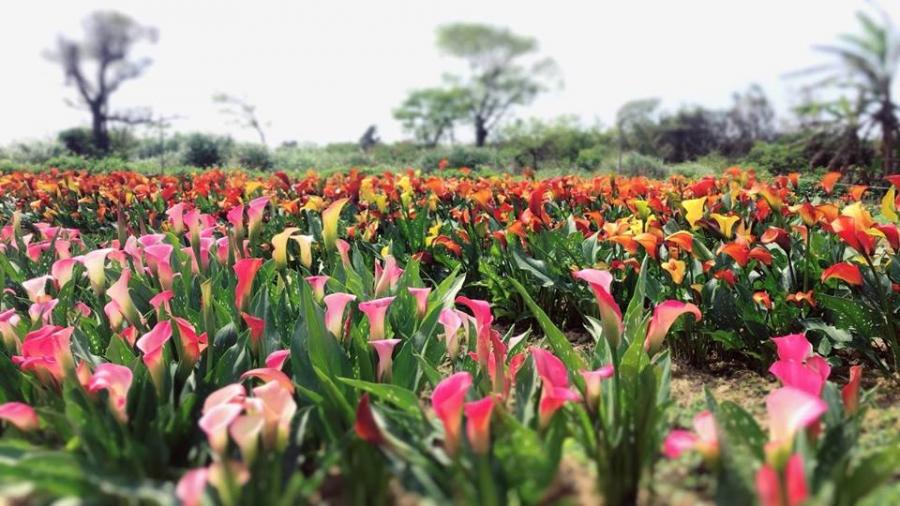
888 126
481 132
99 131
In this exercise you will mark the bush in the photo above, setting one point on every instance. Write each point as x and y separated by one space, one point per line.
776 158
204 150
458 156
592 158
79 141
254 156
636 164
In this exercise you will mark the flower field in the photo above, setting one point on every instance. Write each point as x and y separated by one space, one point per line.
222 338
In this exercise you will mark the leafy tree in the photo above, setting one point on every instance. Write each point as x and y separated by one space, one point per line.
689 134
866 63
637 126
750 120
242 112
534 143
430 114
107 46
498 78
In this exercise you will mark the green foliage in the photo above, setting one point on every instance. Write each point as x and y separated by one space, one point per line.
204 150
777 157
253 156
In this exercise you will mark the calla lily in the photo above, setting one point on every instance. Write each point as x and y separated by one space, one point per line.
375 311
159 258
366 427
62 271
335 304
116 380
790 410
9 320
46 352
176 218
269 375
850 392
451 321
305 242
152 345
245 269
726 223
592 384
386 278
610 314
278 408
279 246
664 316
483 320
845 271
447 401
255 211
478 424
94 263
190 343
421 296
257 327
318 286
215 424
555 391
229 394
235 216
276 359
330 217
791 492
36 288
192 486
23 416
384 348
343 248
694 210
245 431
793 347
161 301
120 294
704 439
676 269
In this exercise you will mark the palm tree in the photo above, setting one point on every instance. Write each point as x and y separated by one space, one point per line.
866 63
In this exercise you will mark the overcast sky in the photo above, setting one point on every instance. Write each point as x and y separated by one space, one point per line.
322 71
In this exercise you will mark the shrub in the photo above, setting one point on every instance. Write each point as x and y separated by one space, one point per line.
79 141
203 150
254 156
777 158
636 164
458 156
592 158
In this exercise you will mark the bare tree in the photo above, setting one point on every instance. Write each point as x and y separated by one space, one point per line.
108 42
243 112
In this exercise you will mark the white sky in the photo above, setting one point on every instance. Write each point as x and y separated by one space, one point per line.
322 71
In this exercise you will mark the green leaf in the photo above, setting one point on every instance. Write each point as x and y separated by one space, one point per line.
394 394
558 341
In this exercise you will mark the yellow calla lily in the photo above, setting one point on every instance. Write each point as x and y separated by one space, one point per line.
726 223
676 269
305 243
330 218
279 245
888 205
694 208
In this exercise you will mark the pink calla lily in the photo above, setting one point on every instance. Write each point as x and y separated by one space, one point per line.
478 424
245 269
276 359
772 491
318 286
120 294
215 424
95 263
421 296
376 311
791 410
152 345
19 414
451 321
335 304
255 211
246 431
192 486
664 315
592 383
384 348
116 380
229 394
793 347
610 314
278 408
850 392
62 271
270 374
447 401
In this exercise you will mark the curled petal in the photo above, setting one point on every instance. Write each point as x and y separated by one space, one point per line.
664 316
